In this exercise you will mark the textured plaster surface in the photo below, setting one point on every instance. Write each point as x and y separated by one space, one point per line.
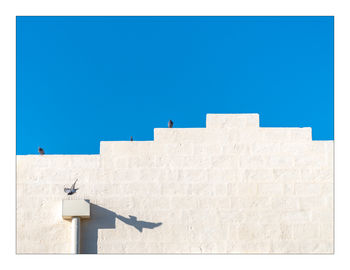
231 187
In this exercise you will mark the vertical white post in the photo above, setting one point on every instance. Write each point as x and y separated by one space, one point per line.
76 235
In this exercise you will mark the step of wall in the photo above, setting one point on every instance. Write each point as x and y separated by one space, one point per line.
220 121
142 148
232 135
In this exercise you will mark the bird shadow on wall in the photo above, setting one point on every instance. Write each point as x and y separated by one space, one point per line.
138 224
102 218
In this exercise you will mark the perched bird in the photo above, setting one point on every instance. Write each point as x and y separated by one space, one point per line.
71 190
131 138
170 124
41 151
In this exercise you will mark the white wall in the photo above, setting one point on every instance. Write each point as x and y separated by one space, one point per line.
231 187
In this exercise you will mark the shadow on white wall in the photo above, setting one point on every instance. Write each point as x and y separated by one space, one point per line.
138 224
102 218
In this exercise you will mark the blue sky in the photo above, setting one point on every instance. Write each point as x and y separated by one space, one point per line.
82 80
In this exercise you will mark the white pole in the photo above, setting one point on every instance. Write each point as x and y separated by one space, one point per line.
75 235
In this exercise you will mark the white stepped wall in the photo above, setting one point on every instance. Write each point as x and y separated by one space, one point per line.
232 187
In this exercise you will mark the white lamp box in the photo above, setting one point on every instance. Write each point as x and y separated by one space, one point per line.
75 208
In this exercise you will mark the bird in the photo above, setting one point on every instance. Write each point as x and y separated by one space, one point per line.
131 138
170 124
41 151
71 190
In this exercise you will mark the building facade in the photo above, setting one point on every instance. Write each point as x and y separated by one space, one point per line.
232 187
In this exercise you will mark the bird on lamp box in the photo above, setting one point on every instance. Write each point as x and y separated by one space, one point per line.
72 189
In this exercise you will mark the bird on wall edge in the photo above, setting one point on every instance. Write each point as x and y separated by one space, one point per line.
41 151
170 124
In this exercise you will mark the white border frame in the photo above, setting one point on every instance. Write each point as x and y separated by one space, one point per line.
10 9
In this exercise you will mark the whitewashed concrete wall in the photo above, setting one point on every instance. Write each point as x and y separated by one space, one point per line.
231 187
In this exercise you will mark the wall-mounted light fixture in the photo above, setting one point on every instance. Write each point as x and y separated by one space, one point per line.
75 210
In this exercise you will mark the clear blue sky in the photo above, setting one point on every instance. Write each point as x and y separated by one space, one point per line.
82 80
